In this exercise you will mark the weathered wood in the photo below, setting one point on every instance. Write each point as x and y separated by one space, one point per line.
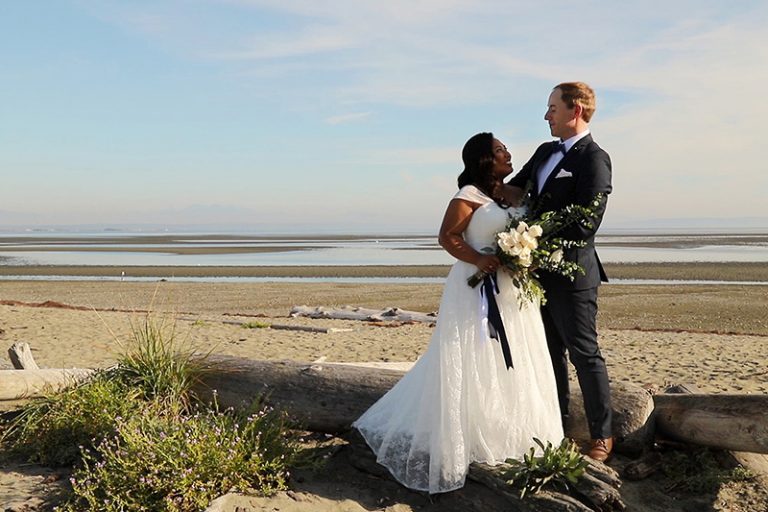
757 463
20 384
21 357
731 422
328 397
358 313
543 501
308 328
633 427
322 397
591 493
282 327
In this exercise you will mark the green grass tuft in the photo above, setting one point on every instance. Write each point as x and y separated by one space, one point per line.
256 325
557 466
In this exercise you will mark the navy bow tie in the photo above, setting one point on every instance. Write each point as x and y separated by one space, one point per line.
558 146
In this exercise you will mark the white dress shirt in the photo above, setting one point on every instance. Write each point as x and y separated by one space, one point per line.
549 165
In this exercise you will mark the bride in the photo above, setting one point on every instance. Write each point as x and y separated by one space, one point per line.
461 402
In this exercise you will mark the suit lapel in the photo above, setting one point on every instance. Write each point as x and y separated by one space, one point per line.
541 157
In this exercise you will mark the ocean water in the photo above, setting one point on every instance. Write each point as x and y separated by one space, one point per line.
100 248
213 249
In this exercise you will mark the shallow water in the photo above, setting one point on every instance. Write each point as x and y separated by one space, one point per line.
185 249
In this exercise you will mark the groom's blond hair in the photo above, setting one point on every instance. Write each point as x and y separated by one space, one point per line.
578 93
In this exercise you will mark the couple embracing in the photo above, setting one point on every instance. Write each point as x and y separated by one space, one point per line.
470 398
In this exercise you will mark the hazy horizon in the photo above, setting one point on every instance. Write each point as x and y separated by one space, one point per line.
655 226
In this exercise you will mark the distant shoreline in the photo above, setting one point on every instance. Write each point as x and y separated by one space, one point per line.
705 271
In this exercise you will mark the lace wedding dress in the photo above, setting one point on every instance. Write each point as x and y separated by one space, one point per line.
459 403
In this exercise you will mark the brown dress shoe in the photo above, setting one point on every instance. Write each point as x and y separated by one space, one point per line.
600 449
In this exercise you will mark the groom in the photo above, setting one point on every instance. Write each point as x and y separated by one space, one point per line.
574 170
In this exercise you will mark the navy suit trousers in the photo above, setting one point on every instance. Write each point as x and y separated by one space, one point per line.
570 323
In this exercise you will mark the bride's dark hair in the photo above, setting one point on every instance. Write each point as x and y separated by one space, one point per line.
478 166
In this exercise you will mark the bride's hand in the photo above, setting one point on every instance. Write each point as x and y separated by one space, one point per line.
488 263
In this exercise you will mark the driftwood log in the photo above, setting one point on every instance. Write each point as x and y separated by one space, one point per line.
597 489
365 314
21 384
20 354
755 462
731 422
326 397
281 327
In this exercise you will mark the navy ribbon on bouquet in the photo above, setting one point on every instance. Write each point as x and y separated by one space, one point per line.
489 289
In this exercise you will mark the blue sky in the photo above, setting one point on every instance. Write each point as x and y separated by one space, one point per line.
350 115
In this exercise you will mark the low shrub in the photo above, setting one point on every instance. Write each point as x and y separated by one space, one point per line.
51 430
140 439
169 462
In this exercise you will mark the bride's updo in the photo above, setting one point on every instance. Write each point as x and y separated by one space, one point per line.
478 166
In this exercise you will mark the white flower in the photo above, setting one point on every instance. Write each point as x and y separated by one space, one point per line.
522 227
510 242
528 241
525 258
535 230
505 242
515 250
556 256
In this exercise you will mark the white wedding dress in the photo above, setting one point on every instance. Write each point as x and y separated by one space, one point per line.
459 403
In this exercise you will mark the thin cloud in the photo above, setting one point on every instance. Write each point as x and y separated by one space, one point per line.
313 40
347 118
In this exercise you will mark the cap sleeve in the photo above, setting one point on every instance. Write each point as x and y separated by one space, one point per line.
472 194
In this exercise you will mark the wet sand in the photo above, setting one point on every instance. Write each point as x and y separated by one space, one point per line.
727 271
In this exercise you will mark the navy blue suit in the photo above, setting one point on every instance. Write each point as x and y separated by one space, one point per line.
571 310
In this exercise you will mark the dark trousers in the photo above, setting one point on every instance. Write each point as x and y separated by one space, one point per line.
570 324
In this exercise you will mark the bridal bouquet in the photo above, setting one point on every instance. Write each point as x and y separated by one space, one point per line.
532 243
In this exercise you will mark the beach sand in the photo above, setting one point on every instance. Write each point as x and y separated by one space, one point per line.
713 336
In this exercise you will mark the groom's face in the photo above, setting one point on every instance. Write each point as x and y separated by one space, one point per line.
561 119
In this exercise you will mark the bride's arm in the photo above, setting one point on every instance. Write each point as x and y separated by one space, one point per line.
455 221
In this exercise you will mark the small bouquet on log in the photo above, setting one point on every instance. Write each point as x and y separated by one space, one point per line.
528 244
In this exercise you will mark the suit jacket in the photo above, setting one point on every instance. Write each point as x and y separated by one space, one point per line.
590 174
